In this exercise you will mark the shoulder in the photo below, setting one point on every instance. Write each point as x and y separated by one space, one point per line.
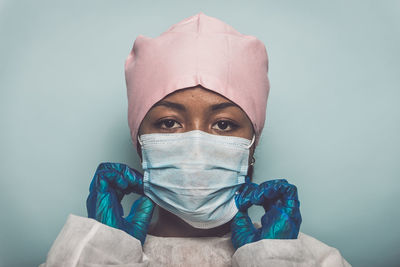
321 251
303 251
86 240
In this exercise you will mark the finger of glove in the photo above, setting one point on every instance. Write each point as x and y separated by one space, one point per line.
289 191
98 187
243 230
139 218
267 191
293 212
268 194
91 203
289 206
135 180
243 198
121 177
108 209
108 177
141 210
276 224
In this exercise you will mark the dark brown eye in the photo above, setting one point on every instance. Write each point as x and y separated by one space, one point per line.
224 125
168 124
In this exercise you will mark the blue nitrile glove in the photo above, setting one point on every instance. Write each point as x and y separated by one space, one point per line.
109 185
282 216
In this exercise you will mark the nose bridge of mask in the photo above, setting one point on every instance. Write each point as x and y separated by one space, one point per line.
198 132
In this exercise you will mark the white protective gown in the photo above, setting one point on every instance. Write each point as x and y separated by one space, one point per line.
85 242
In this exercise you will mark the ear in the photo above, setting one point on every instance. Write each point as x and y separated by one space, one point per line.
251 153
250 170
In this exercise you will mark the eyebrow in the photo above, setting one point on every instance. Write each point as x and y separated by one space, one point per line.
170 105
181 107
222 106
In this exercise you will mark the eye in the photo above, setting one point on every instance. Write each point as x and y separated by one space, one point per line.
224 125
168 124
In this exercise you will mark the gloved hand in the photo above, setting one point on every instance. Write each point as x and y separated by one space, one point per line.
282 216
109 185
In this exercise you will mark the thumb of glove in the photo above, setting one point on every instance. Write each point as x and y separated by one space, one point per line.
277 223
139 218
243 230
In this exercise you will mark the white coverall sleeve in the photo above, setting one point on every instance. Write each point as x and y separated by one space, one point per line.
85 242
305 251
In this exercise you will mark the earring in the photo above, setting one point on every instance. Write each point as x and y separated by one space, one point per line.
253 160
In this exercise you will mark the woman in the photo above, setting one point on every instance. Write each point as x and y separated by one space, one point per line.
197 98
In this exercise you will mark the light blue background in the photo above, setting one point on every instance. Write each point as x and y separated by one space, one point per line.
333 116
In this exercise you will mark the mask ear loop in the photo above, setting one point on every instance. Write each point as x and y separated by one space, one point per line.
252 141
140 142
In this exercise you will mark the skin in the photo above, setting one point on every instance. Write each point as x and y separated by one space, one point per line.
194 108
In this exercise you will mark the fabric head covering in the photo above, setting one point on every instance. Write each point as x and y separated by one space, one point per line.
199 50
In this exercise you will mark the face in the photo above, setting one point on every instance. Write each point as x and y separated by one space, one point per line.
197 108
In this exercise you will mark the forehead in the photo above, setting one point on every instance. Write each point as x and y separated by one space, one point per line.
197 94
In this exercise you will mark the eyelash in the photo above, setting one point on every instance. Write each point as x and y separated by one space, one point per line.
231 125
162 122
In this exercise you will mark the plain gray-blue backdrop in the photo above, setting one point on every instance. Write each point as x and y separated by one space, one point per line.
333 116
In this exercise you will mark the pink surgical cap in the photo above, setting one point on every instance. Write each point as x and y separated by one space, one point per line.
199 50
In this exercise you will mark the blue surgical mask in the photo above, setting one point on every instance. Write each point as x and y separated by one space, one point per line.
195 175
